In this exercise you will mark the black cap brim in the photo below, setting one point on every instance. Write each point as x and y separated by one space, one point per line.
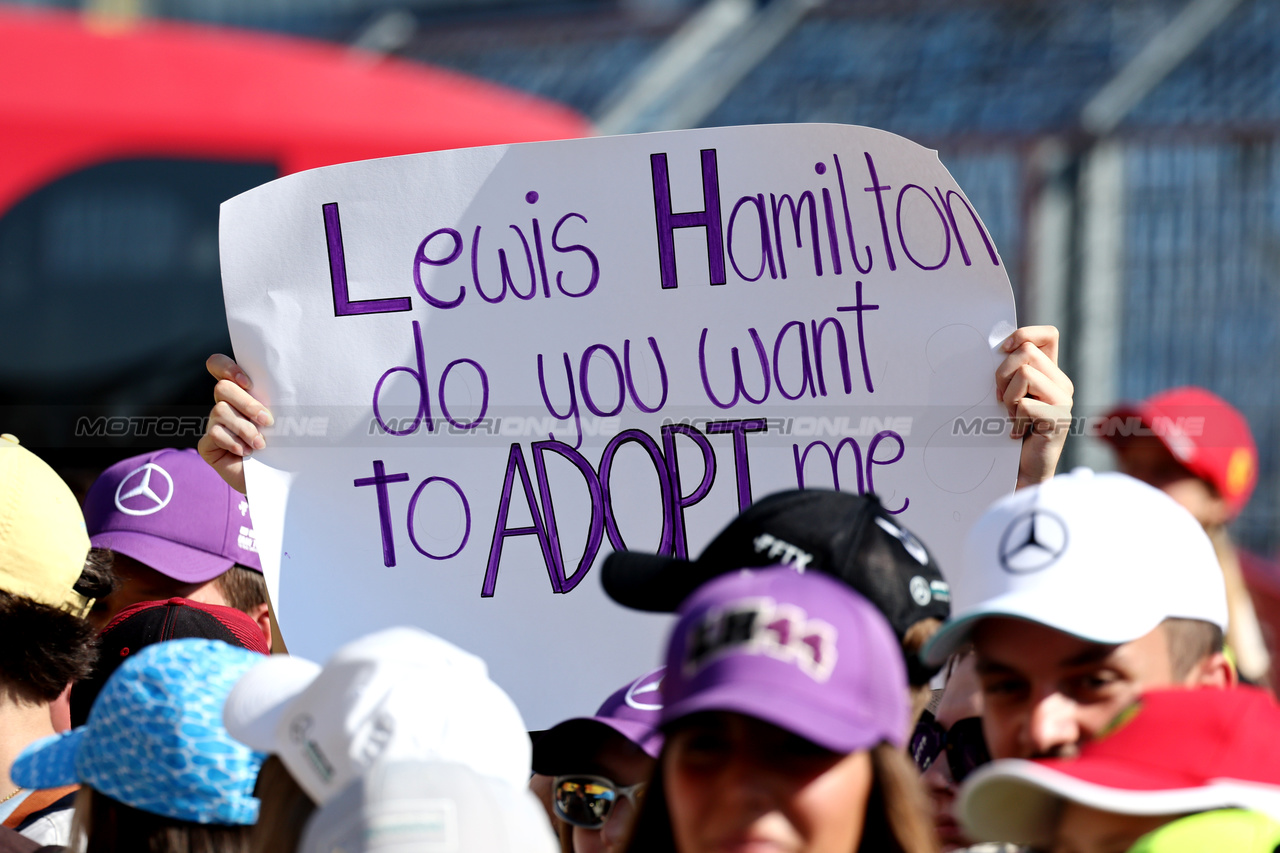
648 582
572 747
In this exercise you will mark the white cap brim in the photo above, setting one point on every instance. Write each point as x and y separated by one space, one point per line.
1127 622
257 703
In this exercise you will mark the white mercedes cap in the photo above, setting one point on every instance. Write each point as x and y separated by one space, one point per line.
1103 557
397 694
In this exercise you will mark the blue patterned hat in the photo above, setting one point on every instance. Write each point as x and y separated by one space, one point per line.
155 739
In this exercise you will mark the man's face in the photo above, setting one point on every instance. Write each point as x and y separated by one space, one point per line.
139 583
1045 692
625 765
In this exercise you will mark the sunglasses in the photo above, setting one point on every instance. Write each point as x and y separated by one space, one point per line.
963 743
587 801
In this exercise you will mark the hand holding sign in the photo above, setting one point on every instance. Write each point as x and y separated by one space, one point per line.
487 367
1038 396
231 432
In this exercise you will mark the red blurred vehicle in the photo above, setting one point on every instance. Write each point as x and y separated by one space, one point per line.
116 146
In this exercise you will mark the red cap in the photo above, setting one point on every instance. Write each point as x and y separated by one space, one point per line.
1205 433
1172 752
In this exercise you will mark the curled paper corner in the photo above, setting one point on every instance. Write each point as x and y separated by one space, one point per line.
999 332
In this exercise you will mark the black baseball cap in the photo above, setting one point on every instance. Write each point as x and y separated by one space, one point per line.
851 537
151 622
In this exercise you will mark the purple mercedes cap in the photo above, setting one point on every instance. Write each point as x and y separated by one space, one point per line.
801 651
631 711
171 511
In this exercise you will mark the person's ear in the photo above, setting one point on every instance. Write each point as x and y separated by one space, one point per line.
1216 510
261 615
60 711
1214 670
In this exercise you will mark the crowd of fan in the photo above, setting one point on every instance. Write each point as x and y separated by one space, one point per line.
1071 684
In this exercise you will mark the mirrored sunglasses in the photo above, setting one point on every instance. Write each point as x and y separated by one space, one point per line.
587 801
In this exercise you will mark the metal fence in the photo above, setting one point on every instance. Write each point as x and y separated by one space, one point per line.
1198 269
1201 296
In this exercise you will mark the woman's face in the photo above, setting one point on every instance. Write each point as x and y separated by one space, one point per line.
735 784
961 699
624 764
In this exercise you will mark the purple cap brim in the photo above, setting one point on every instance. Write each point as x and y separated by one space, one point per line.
180 562
569 746
646 737
49 762
833 730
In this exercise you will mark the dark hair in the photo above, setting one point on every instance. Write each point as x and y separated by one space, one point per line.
42 648
1190 641
98 579
242 587
898 818
104 825
284 811
898 815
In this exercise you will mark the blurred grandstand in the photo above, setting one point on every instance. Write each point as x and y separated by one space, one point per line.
1125 155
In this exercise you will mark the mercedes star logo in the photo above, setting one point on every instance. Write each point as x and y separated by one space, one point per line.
1032 541
300 727
910 542
920 591
141 493
645 693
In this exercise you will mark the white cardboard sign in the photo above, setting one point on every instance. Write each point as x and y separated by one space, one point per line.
490 367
